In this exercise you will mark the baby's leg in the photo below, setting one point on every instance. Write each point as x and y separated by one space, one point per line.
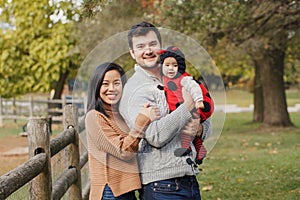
200 149
185 146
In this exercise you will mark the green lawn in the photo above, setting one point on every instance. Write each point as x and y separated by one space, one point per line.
11 128
250 164
247 163
245 98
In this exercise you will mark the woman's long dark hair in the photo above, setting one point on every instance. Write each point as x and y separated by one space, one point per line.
94 100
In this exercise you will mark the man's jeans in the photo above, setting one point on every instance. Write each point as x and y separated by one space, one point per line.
181 188
108 195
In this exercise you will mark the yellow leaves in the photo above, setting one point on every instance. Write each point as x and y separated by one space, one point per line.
54 76
37 46
273 151
7 36
35 67
256 144
295 191
207 188
4 55
36 87
33 55
240 180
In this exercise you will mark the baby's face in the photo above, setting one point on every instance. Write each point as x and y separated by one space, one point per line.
170 67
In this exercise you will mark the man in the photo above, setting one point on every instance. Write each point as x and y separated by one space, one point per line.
163 175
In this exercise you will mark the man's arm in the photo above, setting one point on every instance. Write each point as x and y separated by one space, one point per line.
161 131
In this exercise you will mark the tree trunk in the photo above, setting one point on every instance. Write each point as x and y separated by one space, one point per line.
258 113
271 68
57 94
60 85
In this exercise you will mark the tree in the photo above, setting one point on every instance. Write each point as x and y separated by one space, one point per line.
263 29
38 51
105 19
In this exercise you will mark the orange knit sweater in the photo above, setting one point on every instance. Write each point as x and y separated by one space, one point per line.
112 151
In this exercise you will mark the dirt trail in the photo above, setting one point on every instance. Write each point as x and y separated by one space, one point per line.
9 162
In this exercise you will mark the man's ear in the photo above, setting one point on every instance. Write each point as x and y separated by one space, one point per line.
132 53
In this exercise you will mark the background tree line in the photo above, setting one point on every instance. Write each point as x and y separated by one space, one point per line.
257 41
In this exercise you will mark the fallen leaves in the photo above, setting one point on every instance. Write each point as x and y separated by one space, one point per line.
207 188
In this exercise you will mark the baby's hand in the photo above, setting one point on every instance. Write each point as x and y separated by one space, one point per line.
199 104
151 111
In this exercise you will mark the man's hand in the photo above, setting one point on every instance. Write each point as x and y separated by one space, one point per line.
192 127
199 104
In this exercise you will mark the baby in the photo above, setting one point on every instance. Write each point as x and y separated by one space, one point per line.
174 79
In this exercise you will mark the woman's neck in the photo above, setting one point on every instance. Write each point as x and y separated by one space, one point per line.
110 107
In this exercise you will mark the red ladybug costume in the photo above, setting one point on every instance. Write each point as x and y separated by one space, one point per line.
174 97
173 91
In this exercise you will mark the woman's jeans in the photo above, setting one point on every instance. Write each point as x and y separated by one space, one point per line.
108 195
181 188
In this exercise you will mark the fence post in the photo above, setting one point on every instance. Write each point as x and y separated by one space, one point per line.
71 121
14 108
63 102
85 104
1 112
30 106
39 142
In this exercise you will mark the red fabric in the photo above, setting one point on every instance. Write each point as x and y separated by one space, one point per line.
174 98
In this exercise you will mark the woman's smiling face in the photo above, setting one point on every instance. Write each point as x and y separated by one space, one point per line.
111 88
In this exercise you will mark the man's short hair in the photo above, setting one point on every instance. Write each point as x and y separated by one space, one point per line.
142 29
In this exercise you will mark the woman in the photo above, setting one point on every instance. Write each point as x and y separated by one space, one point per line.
112 146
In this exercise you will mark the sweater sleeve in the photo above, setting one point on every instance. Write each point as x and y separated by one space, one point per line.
207 129
160 132
192 87
140 126
107 137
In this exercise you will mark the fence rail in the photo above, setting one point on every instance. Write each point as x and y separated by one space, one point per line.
24 109
37 170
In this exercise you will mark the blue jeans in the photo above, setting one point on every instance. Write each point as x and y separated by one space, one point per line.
108 195
181 188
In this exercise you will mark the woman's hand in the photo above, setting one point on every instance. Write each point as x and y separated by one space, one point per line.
151 112
192 127
188 100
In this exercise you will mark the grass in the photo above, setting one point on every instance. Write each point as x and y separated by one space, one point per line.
11 128
293 97
249 164
239 97
244 98
246 163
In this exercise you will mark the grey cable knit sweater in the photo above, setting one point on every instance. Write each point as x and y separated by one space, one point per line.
156 151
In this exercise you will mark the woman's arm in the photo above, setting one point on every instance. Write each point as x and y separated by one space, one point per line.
107 137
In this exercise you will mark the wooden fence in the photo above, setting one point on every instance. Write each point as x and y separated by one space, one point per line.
37 170
18 109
